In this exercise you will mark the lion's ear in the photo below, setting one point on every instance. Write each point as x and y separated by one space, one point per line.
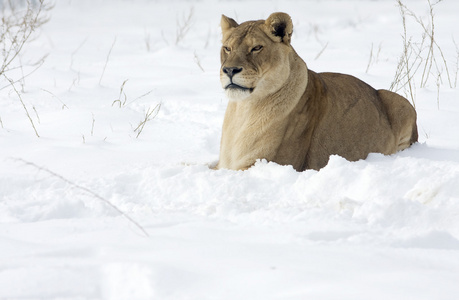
227 23
279 27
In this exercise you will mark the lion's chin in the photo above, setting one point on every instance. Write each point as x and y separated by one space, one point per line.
237 93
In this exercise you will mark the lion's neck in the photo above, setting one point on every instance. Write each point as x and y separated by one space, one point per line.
254 128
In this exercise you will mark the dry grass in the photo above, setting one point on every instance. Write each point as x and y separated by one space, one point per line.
17 29
422 62
150 114
122 98
183 26
374 58
85 190
18 24
197 60
106 60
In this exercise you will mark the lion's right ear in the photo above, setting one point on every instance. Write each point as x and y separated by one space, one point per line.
227 23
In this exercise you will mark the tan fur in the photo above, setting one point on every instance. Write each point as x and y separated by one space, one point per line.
282 112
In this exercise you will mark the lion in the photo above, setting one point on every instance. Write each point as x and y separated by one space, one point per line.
281 111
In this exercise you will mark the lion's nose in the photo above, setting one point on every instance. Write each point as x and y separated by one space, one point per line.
231 71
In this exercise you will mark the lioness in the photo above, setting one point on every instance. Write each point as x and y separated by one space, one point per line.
280 111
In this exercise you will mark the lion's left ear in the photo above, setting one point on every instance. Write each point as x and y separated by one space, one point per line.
279 27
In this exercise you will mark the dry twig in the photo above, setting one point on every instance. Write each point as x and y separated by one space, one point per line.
150 114
106 60
17 29
184 26
86 190
426 54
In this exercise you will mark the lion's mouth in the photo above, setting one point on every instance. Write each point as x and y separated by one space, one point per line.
233 86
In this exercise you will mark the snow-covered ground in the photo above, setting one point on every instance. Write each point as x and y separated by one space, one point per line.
381 228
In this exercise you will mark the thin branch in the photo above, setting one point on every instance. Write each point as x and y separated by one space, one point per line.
30 21
23 104
457 62
36 114
84 189
321 51
184 26
150 114
370 59
106 60
63 104
141 96
76 50
198 61
35 66
121 103
92 126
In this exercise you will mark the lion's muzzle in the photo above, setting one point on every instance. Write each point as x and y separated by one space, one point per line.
232 85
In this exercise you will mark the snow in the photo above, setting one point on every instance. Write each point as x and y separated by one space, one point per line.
382 228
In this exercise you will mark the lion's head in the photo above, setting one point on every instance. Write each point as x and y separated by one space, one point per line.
254 56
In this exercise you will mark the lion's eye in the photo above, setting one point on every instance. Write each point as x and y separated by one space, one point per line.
227 49
256 48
